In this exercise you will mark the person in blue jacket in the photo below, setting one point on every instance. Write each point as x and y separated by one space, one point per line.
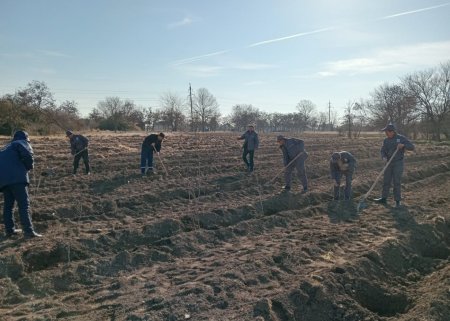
79 149
16 159
393 173
342 163
251 143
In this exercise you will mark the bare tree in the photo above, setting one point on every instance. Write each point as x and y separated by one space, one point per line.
205 107
243 115
172 111
392 103
306 110
431 89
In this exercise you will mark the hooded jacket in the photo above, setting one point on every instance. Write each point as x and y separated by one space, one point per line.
16 159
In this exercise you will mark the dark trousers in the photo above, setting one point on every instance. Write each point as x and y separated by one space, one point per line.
299 164
76 161
249 161
146 159
11 194
393 174
348 185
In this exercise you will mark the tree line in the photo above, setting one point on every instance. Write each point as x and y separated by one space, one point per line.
419 104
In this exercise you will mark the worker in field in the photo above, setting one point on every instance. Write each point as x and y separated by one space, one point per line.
342 163
79 149
251 143
152 143
294 157
16 159
397 144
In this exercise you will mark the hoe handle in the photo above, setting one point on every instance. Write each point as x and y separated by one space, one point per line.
284 168
379 175
157 154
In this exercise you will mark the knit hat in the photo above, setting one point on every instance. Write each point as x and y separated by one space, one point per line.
280 137
335 156
21 135
68 133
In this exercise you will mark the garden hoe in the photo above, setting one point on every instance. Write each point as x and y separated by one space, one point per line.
284 168
362 203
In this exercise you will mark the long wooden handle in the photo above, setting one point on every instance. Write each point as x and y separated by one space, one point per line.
167 173
381 173
284 168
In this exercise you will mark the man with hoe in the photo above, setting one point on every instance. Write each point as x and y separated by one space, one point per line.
151 143
294 157
394 146
79 149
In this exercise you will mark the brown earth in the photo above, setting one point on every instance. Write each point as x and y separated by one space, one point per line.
209 242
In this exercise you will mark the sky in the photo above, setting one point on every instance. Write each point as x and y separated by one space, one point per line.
270 54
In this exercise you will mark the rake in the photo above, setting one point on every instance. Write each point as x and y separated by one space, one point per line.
362 203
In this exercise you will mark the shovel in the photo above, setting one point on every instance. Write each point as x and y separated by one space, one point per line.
362 203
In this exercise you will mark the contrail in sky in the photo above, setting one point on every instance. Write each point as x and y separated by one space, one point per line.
413 11
265 42
291 36
193 59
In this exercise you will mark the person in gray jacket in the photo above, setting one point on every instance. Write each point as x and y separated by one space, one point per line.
394 171
251 143
294 157
342 163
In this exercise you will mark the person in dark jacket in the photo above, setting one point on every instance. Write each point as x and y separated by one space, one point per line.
79 149
294 157
16 159
151 143
393 173
342 163
251 143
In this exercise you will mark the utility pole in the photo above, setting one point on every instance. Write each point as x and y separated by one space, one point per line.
192 114
329 112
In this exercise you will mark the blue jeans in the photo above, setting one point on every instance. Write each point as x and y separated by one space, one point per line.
11 194
146 159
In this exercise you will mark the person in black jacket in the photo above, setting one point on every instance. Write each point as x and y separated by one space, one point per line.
79 149
342 163
150 144
16 159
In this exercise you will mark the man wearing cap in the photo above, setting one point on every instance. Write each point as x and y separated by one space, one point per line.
151 143
251 143
394 171
294 157
16 159
342 163
79 149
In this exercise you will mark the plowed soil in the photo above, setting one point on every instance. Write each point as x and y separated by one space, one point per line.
210 242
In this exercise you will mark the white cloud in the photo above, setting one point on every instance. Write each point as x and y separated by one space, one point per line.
255 83
181 23
417 56
252 66
201 70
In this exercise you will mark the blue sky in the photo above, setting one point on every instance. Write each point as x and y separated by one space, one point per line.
270 54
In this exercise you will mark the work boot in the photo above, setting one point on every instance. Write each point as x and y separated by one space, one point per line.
286 188
305 190
381 200
398 204
32 234
14 232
